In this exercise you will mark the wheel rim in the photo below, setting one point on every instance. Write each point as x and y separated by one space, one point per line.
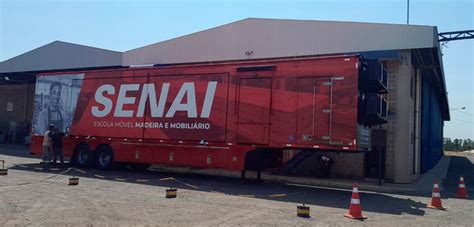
105 158
82 157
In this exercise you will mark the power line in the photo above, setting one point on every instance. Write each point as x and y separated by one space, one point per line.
470 114
463 120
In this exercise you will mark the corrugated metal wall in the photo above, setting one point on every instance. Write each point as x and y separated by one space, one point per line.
269 38
431 127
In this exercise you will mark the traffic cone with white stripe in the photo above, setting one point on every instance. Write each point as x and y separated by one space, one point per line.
462 192
436 198
355 209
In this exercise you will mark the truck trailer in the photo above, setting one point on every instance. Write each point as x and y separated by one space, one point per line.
235 115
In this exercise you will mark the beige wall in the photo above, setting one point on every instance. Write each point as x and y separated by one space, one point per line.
401 135
392 99
347 165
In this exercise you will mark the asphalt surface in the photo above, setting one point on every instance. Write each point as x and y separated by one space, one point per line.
31 196
461 165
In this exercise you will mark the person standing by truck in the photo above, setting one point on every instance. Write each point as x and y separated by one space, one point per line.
57 138
47 142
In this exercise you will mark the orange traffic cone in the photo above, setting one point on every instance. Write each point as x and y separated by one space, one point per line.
436 198
462 189
355 209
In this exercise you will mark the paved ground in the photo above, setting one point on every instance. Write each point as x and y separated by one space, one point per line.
29 196
461 164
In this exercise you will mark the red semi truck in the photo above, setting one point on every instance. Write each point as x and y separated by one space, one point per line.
239 115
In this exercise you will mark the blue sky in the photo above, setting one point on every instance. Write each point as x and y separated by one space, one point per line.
124 25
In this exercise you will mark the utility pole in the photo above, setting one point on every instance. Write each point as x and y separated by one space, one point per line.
408 11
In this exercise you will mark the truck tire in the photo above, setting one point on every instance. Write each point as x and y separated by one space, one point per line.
83 157
104 158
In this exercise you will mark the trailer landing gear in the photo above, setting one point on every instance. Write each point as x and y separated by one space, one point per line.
242 175
259 176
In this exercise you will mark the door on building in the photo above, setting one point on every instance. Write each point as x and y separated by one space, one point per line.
254 99
375 159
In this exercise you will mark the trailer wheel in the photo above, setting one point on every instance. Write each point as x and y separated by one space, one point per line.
83 156
105 158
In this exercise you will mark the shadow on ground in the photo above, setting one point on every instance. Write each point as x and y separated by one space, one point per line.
21 151
373 202
379 203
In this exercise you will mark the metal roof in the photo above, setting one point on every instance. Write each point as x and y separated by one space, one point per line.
61 55
269 38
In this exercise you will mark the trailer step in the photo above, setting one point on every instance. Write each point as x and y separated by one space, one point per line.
294 162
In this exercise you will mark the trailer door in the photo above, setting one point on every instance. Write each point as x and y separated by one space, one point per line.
254 110
314 110
305 114
322 110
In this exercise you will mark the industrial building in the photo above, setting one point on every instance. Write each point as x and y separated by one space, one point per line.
410 143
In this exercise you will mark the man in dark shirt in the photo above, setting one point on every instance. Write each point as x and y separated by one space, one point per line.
57 138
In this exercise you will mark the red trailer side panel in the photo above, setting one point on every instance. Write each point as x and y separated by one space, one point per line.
209 115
